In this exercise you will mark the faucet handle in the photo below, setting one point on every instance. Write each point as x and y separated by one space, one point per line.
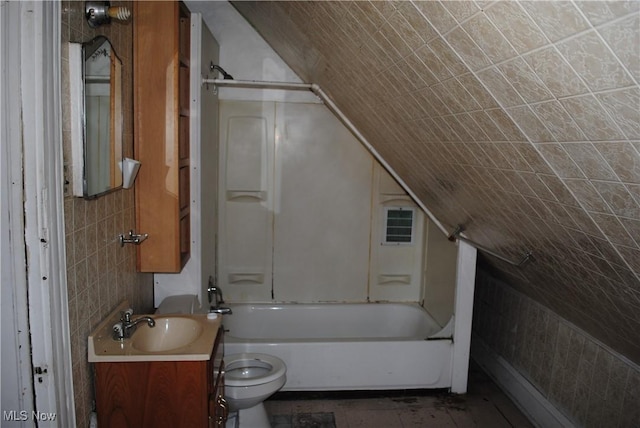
118 331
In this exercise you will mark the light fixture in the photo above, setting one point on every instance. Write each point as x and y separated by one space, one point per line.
101 12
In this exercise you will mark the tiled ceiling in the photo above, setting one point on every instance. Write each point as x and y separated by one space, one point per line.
519 120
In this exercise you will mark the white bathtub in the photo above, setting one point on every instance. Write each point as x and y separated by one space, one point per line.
346 346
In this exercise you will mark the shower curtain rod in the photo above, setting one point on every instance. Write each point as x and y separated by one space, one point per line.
258 84
315 88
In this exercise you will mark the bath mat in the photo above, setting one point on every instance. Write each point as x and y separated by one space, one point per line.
303 420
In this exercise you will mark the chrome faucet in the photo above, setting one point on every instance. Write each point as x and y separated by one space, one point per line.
125 328
215 292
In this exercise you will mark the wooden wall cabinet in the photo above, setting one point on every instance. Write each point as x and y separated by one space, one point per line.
158 394
161 133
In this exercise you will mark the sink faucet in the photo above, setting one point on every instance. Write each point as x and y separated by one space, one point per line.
125 328
216 293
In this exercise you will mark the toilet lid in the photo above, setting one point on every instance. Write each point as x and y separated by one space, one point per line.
249 369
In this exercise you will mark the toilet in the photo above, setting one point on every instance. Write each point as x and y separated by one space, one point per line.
250 378
182 304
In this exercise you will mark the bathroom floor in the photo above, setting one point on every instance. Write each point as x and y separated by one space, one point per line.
484 406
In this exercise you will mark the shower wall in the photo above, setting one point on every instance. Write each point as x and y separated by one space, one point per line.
303 209
320 243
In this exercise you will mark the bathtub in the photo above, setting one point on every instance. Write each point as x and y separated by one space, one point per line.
346 346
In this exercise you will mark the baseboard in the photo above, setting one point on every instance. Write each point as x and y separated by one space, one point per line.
531 402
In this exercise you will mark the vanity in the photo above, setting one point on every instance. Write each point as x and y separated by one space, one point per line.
170 375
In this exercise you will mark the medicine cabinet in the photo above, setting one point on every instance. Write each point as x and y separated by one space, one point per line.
95 84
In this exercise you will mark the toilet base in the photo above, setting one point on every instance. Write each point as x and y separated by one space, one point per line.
253 417
232 420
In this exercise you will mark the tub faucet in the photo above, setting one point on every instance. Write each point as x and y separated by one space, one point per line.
125 328
216 293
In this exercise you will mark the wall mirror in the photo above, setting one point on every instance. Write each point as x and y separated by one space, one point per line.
95 77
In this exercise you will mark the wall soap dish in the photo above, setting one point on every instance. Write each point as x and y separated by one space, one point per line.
132 238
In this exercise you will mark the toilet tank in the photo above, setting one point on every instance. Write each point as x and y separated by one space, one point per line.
181 304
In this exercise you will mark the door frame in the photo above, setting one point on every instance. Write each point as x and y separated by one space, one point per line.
17 385
31 50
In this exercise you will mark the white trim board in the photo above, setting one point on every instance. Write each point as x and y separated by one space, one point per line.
529 400
463 316
36 146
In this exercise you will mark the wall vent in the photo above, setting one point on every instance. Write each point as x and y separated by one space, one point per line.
399 228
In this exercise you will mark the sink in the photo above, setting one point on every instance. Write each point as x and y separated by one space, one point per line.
169 333
174 338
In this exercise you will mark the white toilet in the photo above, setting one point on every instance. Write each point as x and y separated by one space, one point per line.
249 378
182 304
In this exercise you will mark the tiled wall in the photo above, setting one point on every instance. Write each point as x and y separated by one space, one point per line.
100 273
587 381
518 119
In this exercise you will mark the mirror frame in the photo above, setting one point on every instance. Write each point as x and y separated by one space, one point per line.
83 164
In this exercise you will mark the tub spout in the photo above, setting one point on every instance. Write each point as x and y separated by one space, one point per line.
221 310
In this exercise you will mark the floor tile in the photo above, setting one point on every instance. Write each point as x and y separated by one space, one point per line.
314 420
484 406
427 417
373 418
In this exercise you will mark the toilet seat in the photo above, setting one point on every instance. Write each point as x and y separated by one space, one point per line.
251 369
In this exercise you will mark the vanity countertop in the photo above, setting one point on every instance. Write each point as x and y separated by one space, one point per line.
103 348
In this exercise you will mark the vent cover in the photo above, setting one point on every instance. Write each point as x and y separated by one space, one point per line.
398 226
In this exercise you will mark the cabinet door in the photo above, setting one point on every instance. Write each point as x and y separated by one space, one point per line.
161 115
158 394
218 407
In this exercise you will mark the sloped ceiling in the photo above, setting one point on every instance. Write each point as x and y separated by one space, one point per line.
519 120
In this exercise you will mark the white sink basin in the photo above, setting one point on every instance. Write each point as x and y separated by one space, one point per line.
169 333
174 338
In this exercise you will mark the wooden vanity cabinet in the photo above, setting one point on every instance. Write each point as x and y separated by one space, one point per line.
161 55
158 394
218 408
